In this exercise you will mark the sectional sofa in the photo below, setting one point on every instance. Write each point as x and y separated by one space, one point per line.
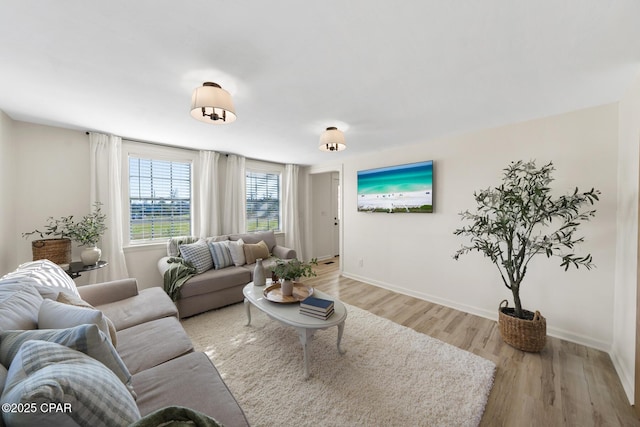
223 265
112 353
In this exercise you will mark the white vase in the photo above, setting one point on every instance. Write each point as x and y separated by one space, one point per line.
91 255
287 287
259 278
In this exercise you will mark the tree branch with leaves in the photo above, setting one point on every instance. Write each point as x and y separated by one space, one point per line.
510 220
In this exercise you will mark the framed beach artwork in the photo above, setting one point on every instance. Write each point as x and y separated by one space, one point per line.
404 188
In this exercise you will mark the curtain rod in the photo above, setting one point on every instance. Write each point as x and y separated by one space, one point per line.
151 143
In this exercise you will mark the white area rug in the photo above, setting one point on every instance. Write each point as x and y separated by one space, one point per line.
390 374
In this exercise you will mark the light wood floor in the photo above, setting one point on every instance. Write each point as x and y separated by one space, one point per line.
565 385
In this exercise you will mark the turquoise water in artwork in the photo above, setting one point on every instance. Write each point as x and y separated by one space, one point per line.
397 179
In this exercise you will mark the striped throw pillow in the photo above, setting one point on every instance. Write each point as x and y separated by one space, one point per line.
42 273
220 254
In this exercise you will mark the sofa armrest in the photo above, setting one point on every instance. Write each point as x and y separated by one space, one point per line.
283 253
163 265
107 292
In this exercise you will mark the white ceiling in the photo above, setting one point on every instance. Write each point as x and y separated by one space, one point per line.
387 73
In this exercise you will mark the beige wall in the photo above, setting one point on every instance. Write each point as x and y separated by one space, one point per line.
412 253
8 256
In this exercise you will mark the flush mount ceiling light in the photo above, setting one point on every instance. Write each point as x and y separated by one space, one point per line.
212 104
332 139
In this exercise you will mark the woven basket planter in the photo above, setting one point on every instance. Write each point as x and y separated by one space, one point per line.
523 334
55 250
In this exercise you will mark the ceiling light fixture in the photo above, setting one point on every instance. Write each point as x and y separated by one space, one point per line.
212 104
332 139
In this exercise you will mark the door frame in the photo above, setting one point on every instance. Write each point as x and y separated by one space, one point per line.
329 168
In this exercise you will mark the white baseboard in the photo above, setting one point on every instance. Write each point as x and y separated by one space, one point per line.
626 378
488 314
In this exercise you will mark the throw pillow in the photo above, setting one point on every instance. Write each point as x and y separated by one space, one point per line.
19 310
85 338
198 255
85 391
220 254
254 251
42 273
237 252
79 302
56 315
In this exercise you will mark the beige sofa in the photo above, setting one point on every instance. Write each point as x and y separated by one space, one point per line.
218 287
142 327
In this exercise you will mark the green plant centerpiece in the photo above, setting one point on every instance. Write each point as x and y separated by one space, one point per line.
291 270
518 220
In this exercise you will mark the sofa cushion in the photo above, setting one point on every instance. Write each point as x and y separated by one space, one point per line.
190 381
220 254
237 252
85 338
267 236
79 302
152 343
88 393
253 251
198 255
150 304
215 280
42 273
19 307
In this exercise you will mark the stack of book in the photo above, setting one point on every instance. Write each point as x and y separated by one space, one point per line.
316 307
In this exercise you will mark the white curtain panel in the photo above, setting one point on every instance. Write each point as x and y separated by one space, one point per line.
290 209
207 220
233 206
106 188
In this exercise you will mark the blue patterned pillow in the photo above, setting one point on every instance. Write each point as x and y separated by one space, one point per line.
197 254
83 390
220 254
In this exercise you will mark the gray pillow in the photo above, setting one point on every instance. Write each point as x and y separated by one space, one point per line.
84 390
56 315
85 338
197 254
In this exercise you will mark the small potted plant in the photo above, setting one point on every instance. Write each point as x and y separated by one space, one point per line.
291 270
516 221
87 232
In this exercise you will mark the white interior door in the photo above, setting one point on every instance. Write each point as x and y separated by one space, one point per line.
335 213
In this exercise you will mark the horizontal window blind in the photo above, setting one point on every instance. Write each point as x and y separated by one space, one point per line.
263 201
159 199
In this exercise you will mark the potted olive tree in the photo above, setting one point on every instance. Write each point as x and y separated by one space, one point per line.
290 270
512 224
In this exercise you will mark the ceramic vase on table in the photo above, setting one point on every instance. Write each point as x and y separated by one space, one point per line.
287 287
259 278
90 255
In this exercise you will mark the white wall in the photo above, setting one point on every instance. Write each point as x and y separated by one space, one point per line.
51 179
624 321
8 256
412 253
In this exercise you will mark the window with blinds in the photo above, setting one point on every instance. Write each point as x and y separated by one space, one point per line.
263 201
159 199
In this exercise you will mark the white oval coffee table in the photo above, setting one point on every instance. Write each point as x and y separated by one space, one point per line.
289 314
